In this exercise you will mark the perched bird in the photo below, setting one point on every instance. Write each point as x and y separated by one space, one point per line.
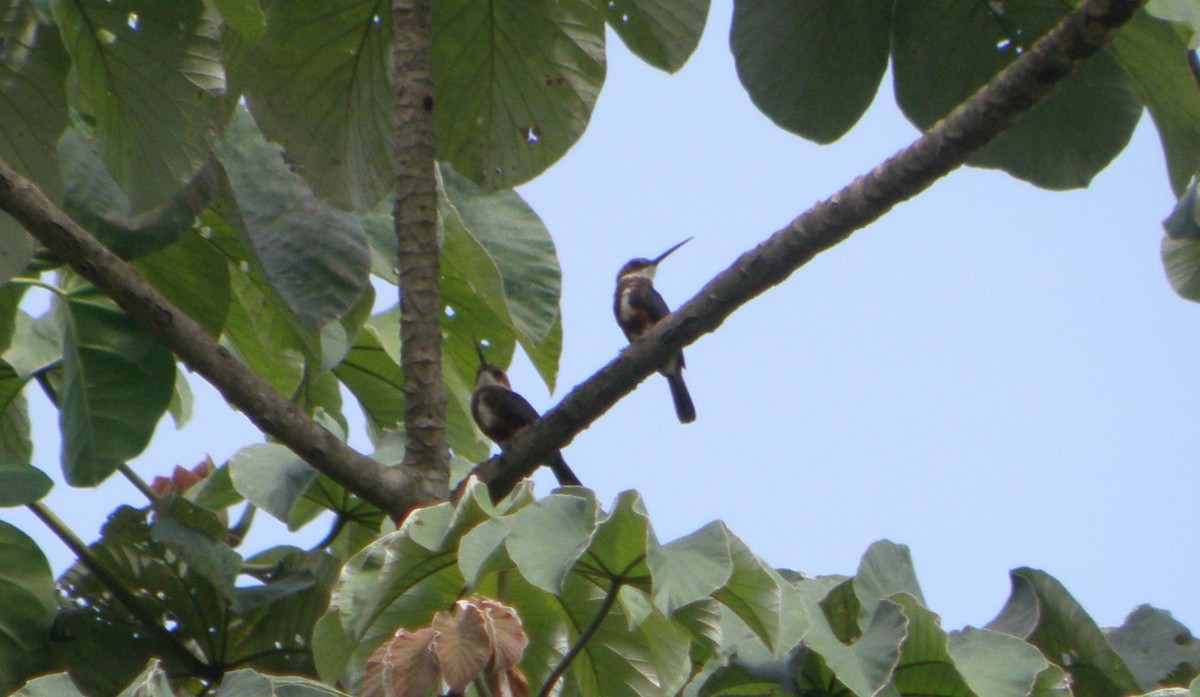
500 413
638 307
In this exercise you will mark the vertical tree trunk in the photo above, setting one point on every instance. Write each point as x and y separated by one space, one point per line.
415 215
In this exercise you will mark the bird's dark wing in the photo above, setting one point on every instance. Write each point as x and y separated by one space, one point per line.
649 301
516 409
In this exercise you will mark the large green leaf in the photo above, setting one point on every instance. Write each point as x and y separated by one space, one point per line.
926 667
21 484
271 477
149 74
249 683
624 658
516 84
33 113
314 255
1153 55
10 303
318 84
36 343
1040 611
661 32
97 202
690 568
1158 649
26 608
118 382
56 685
885 569
548 537
501 235
944 50
16 441
812 66
996 664
194 276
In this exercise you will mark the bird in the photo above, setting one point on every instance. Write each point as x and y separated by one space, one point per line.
500 413
638 307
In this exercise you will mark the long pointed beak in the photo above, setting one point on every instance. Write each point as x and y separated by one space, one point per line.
667 253
479 352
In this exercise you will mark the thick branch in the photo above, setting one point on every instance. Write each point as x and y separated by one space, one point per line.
942 149
427 452
390 489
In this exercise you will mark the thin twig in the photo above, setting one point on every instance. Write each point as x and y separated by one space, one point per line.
138 483
581 641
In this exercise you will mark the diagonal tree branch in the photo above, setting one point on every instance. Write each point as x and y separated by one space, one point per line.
393 490
945 147
427 450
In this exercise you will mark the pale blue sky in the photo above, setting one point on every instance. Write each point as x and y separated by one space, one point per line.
995 375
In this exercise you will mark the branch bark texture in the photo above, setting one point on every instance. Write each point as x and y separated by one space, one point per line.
427 450
945 147
392 490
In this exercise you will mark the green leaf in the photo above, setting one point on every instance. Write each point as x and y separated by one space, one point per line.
318 83
108 645
56 685
638 659
1042 612
753 592
885 570
10 302
152 682
664 33
516 84
260 332
97 202
813 66
16 443
182 401
21 484
118 382
150 75
549 536
1159 651
944 50
271 477
375 594
26 607
243 16
196 536
16 248
194 276
33 113
867 664
995 664
1153 55
691 568
500 235
925 666
314 256
249 683
36 343
275 620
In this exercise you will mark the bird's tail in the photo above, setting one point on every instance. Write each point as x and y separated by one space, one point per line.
684 409
562 473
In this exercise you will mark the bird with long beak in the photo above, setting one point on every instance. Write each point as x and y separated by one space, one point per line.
500 413
638 307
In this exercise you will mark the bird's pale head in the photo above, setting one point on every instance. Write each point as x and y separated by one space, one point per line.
489 374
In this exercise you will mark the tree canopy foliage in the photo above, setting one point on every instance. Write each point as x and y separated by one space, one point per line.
240 155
